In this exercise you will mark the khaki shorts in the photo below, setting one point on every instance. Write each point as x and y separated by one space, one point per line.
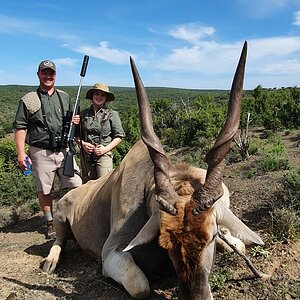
46 164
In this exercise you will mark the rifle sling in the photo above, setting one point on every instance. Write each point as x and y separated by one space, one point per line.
103 120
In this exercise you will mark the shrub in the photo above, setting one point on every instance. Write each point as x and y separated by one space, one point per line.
8 154
15 188
252 172
272 163
293 180
292 186
217 279
285 224
286 209
270 152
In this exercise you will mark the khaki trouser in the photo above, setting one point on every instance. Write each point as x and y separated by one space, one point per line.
96 167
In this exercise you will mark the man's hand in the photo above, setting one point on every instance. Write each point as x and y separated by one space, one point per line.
76 119
22 161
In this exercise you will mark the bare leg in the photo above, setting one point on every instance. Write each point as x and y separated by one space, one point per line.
45 203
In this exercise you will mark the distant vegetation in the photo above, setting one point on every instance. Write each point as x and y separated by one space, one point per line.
181 116
183 119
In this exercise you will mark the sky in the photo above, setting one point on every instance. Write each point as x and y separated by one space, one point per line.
174 43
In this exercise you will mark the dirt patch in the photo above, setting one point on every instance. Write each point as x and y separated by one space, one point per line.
23 248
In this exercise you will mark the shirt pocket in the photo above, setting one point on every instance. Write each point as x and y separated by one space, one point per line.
106 130
37 119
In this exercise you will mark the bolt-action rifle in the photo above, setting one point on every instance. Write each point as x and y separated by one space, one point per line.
68 169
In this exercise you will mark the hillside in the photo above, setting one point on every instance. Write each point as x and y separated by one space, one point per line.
23 248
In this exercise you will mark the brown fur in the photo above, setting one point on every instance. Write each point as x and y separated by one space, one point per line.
185 236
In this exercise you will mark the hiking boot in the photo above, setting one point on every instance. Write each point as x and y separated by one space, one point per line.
50 234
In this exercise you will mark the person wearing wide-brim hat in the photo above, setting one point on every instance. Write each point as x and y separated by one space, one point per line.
101 131
100 87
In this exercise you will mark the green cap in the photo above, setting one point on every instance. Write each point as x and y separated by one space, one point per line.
47 64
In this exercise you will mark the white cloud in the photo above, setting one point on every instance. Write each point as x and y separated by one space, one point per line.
268 59
8 25
291 67
272 48
66 62
103 52
208 57
35 28
297 18
191 33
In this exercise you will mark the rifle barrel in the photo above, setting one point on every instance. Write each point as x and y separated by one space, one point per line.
76 105
68 168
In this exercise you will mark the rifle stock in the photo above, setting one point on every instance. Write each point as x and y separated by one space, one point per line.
68 168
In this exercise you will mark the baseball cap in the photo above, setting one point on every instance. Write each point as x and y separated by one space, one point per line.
47 64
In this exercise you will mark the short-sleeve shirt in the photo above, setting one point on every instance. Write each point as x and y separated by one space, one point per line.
34 122
111 129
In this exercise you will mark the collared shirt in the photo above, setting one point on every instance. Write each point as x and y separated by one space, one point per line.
112 126
35 123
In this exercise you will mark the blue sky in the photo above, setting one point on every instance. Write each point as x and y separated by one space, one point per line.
175 43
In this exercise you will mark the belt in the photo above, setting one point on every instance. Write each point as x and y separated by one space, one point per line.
44 147
41 146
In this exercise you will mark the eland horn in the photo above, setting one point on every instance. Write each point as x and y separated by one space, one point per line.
212 189
166 194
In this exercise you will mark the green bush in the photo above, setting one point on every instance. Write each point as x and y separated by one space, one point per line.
253 147
217 280
285 224
286 209
15 188
270 152
8 154
120 152
275 109
272 163
252 172
292 189
293 180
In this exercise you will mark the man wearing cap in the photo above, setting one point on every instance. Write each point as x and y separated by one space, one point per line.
39 123
101 132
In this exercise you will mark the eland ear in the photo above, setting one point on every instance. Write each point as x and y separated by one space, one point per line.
149 231
225 217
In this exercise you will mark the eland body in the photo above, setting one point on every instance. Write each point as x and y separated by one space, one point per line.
147 213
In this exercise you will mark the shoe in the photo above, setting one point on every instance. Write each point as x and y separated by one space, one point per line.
50 234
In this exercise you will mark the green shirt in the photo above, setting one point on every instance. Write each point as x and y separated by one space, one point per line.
112 126
34 122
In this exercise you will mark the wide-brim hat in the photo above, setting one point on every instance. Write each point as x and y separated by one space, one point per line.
100 87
